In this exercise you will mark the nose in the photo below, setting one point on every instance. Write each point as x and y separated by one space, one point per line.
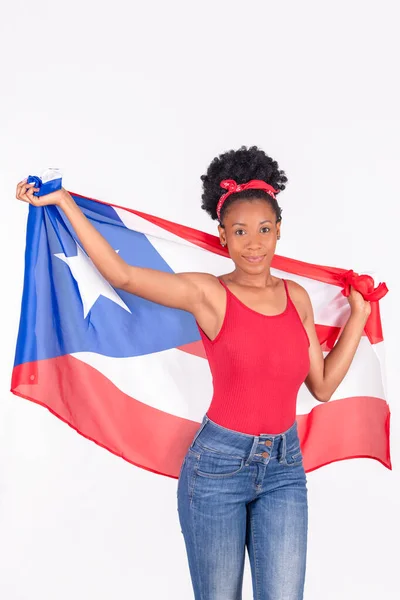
254 242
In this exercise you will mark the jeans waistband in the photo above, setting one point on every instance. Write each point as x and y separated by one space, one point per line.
215 437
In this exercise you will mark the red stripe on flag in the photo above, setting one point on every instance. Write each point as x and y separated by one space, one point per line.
91 404
195 348
356 427
157 441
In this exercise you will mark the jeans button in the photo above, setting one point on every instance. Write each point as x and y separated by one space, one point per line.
265 454
268 443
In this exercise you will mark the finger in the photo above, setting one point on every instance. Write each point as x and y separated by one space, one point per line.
27 193
21 193
22 185
21 190
28 188
24 197
30 193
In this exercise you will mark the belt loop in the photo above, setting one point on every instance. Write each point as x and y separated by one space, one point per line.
253 450
282 456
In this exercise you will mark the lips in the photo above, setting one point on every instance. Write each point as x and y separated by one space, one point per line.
254 259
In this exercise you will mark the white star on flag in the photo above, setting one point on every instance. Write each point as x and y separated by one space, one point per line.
90 282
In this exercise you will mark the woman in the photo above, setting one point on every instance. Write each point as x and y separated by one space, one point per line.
242 482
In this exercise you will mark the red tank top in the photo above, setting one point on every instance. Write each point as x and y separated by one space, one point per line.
258 364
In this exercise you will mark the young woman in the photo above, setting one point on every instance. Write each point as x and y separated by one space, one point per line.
242 482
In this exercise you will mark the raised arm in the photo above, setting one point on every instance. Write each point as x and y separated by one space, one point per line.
181 290
326 374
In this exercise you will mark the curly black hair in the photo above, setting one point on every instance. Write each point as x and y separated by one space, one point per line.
241 165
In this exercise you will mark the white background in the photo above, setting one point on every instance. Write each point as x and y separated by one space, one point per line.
133 100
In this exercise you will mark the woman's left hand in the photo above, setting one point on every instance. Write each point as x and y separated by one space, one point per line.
357 303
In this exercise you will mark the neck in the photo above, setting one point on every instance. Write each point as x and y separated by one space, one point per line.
261 280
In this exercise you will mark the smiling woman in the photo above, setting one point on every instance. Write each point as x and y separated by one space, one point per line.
240 486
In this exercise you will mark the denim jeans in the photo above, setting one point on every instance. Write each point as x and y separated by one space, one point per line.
238 491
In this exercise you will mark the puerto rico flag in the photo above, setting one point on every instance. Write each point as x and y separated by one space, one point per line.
132 375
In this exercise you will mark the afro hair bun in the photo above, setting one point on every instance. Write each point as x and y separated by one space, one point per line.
241 165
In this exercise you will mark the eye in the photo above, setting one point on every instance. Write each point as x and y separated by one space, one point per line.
238 230
267 228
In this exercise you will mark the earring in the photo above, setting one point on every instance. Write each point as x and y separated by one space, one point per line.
222 244
278 237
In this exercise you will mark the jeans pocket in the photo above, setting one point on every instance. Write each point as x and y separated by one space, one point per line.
217 466
293 459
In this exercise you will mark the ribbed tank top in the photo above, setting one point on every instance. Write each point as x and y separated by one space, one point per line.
258 364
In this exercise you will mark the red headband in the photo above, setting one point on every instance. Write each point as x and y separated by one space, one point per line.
233 187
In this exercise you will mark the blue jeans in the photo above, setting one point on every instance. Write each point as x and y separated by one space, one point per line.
235 491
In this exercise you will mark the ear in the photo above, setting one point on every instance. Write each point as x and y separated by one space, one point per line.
278 229
222 236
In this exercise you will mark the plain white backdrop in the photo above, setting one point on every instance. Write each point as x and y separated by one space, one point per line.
133 100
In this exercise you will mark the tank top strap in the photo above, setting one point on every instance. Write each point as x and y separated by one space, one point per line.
229 293
288 298
221 282
287 290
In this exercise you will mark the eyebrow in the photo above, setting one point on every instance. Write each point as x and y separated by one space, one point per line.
261 222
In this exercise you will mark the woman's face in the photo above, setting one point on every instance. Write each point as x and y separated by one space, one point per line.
250 233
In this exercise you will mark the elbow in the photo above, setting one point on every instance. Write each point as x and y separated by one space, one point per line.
323 396
120 280
120 284
319 390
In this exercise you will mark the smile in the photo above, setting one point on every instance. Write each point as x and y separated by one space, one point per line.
254 259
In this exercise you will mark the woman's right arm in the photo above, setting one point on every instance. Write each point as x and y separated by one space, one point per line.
181 290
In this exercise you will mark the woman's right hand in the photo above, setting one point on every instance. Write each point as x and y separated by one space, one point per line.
26 190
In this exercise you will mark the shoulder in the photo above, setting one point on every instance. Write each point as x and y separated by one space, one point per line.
207 285
299 296
203 280
296 288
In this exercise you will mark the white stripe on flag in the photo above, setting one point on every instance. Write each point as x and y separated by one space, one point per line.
173 381
330 306
364 378
180 383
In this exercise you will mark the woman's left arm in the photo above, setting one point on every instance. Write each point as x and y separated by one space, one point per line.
327 373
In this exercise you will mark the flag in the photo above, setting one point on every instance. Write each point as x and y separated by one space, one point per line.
132 375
